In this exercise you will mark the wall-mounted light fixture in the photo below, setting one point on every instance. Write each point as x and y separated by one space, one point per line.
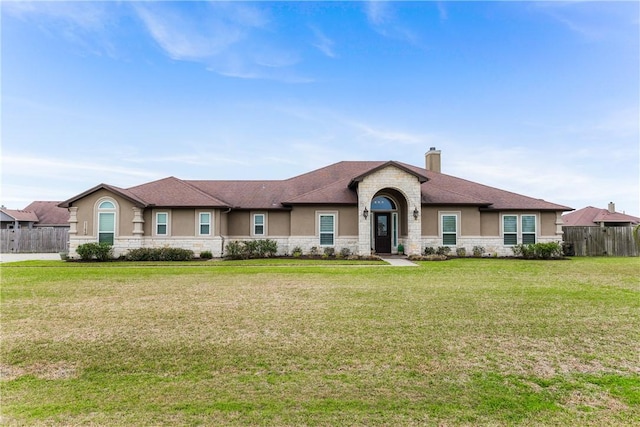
415 213
365 213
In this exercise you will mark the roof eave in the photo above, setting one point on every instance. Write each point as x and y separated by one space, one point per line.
137 202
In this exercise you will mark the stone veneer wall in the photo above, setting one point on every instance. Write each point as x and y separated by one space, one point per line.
409 186
492 245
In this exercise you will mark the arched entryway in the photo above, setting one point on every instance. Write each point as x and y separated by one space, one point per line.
386 224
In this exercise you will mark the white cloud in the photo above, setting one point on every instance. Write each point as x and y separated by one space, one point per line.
323 43
230 39
383 20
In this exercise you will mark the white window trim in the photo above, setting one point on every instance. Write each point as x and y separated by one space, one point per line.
441 226
98 211
264 223
517 233
155 223
519 229
535 227
199 223
335 226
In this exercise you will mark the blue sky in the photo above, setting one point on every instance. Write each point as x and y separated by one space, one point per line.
539 98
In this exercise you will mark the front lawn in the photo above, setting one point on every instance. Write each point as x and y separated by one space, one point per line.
461 342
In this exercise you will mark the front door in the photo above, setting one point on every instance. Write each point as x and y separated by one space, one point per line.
383 232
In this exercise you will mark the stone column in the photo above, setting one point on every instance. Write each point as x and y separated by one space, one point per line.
73 221
138 222
559 224
414 239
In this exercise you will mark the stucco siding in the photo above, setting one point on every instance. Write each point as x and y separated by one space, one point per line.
239 223
470 221
87 214
490 224
429 221
303 220
278 223
548 224
183 222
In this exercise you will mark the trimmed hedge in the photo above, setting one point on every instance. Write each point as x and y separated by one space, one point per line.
251 249
551 250
159 254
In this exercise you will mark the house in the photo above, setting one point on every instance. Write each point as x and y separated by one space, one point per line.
16 218
596 217
49 214
366 206
37 215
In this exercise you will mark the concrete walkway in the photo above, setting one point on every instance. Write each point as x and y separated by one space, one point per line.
29 257
398 261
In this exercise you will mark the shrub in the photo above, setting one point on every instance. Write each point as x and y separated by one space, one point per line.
443 250
159 254
478 251
401 248
251 249
314 251
345 252
140 254
538 250
267 248
100 251
461 252
329 252
548 250
235 250
429 250
297 252
206 255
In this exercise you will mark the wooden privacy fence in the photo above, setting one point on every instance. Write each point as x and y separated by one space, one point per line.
35 240
601 241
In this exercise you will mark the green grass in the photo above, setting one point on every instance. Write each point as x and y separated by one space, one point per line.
462 342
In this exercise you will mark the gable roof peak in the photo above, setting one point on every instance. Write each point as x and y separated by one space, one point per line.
422 177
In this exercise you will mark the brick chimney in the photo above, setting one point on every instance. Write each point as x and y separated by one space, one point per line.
612 207
432 160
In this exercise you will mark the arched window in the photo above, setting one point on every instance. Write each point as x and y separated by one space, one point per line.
106 222
382 203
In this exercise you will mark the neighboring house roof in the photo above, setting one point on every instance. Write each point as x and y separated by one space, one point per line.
590 216
20 215
49 214
333 184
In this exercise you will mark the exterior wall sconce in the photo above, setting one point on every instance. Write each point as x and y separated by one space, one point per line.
415 213
365 213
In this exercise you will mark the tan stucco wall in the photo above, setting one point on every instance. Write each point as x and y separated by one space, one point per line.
278 223
303 221
183 222
470 221
239 223
547 223
490 224
429 221
87 213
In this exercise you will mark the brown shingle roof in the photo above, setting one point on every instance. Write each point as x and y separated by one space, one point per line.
48 213
21 215
590 216
333 184
172 191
